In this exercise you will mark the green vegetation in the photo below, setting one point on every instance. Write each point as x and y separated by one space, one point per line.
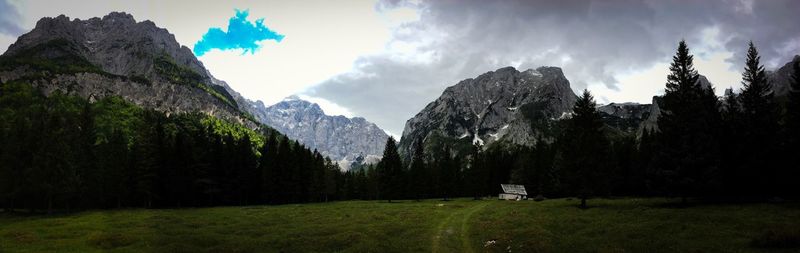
167 68
62 153
558 225
57 56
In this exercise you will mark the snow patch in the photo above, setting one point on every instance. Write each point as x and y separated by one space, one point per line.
465 135
477 140
533 72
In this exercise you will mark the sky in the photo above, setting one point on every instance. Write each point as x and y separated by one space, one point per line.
385 60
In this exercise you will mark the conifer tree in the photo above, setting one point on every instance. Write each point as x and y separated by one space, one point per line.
584 149
759 125
689 155
417 171
390 172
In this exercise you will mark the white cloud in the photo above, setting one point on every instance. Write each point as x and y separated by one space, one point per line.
330 108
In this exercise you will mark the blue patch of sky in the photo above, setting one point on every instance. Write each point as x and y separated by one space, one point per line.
241 34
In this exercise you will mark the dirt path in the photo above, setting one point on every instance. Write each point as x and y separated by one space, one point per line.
452 234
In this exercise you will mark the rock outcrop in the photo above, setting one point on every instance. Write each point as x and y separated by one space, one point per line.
505 105
117 56
343 139
781 78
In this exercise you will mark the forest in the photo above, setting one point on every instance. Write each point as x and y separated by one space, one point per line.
63 153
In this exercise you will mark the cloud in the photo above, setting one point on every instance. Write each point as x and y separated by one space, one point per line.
242 34
9 19
598 43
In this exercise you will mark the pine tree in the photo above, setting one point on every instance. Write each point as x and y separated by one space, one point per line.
584 150
390 172
448 176
417 171
759 121
688 158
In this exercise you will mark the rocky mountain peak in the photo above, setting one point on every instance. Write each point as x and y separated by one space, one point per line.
116 43
117 56
338 137
497 105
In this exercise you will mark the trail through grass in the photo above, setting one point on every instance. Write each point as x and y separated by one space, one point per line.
453 232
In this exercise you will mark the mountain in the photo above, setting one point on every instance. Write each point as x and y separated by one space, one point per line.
627 117
342 139
781 77
117 56
504 105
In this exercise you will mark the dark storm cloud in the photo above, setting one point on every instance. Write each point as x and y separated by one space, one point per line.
593 41
9 19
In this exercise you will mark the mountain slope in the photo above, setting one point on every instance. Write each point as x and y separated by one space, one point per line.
626 117
501 105
117 56
338 137
781 77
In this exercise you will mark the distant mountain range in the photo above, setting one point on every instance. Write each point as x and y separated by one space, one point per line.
343 139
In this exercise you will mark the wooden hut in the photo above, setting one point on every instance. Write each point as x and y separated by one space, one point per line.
513 192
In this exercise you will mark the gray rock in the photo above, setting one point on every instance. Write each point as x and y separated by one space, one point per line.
493 107
122 49
338 137
626 117
781 78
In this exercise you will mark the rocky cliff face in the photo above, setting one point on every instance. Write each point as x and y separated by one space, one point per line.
502 105
343 139
627 117
781 77
116 56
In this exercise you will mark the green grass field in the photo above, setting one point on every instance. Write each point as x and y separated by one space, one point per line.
624 225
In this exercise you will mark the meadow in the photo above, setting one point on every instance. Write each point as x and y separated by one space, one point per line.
462 225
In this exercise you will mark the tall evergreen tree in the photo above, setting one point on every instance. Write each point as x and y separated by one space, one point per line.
689 153
417 174
390 172
584 150
759 124
448 172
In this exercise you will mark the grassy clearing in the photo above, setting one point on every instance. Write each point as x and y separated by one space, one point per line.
630 225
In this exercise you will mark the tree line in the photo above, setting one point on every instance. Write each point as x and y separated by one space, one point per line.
61 152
